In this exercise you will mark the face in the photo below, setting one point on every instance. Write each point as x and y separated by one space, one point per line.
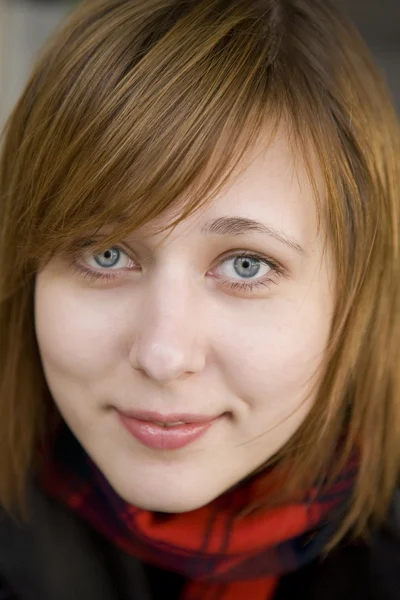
182 362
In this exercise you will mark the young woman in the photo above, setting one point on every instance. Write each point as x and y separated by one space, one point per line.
200 309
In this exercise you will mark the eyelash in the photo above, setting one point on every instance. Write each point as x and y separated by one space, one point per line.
238 286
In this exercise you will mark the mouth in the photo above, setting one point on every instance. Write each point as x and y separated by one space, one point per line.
166 432
170 419
162 424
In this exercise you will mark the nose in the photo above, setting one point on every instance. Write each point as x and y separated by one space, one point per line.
169 337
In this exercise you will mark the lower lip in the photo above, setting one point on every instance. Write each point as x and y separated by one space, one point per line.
158 437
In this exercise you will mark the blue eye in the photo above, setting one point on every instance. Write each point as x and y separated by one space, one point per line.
247 266
107 265
246 272
109 258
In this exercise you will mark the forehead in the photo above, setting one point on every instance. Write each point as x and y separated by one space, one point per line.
271 185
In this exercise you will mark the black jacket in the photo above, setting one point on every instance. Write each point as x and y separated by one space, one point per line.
54 556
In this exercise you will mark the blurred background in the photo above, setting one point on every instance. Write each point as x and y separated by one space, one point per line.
26 24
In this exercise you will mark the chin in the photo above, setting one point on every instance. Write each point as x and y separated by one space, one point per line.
157 500
168 507
164 504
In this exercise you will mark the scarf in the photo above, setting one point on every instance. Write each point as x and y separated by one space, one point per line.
222 554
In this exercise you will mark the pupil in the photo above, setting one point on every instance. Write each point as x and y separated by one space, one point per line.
247 267
108 258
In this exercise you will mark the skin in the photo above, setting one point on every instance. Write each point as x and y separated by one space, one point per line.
170 334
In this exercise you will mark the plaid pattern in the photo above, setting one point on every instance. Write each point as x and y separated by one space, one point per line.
223 556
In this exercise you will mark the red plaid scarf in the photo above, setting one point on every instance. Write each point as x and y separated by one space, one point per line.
222 555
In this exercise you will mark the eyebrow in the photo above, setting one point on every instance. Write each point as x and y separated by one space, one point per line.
241 225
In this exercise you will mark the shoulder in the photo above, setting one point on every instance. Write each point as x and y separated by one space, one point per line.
34 564
357 569
5 592
385 554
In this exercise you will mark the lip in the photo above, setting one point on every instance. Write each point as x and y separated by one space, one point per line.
150 428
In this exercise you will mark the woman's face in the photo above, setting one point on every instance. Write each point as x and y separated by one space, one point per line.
219 327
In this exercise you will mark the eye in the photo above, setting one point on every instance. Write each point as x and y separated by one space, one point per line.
244 267
246 272
105 266
109 259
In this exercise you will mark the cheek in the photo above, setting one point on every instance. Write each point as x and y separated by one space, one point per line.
76 335
272 355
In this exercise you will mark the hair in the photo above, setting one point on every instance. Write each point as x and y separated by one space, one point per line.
134 103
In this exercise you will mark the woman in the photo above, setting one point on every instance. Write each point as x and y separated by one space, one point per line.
200 309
